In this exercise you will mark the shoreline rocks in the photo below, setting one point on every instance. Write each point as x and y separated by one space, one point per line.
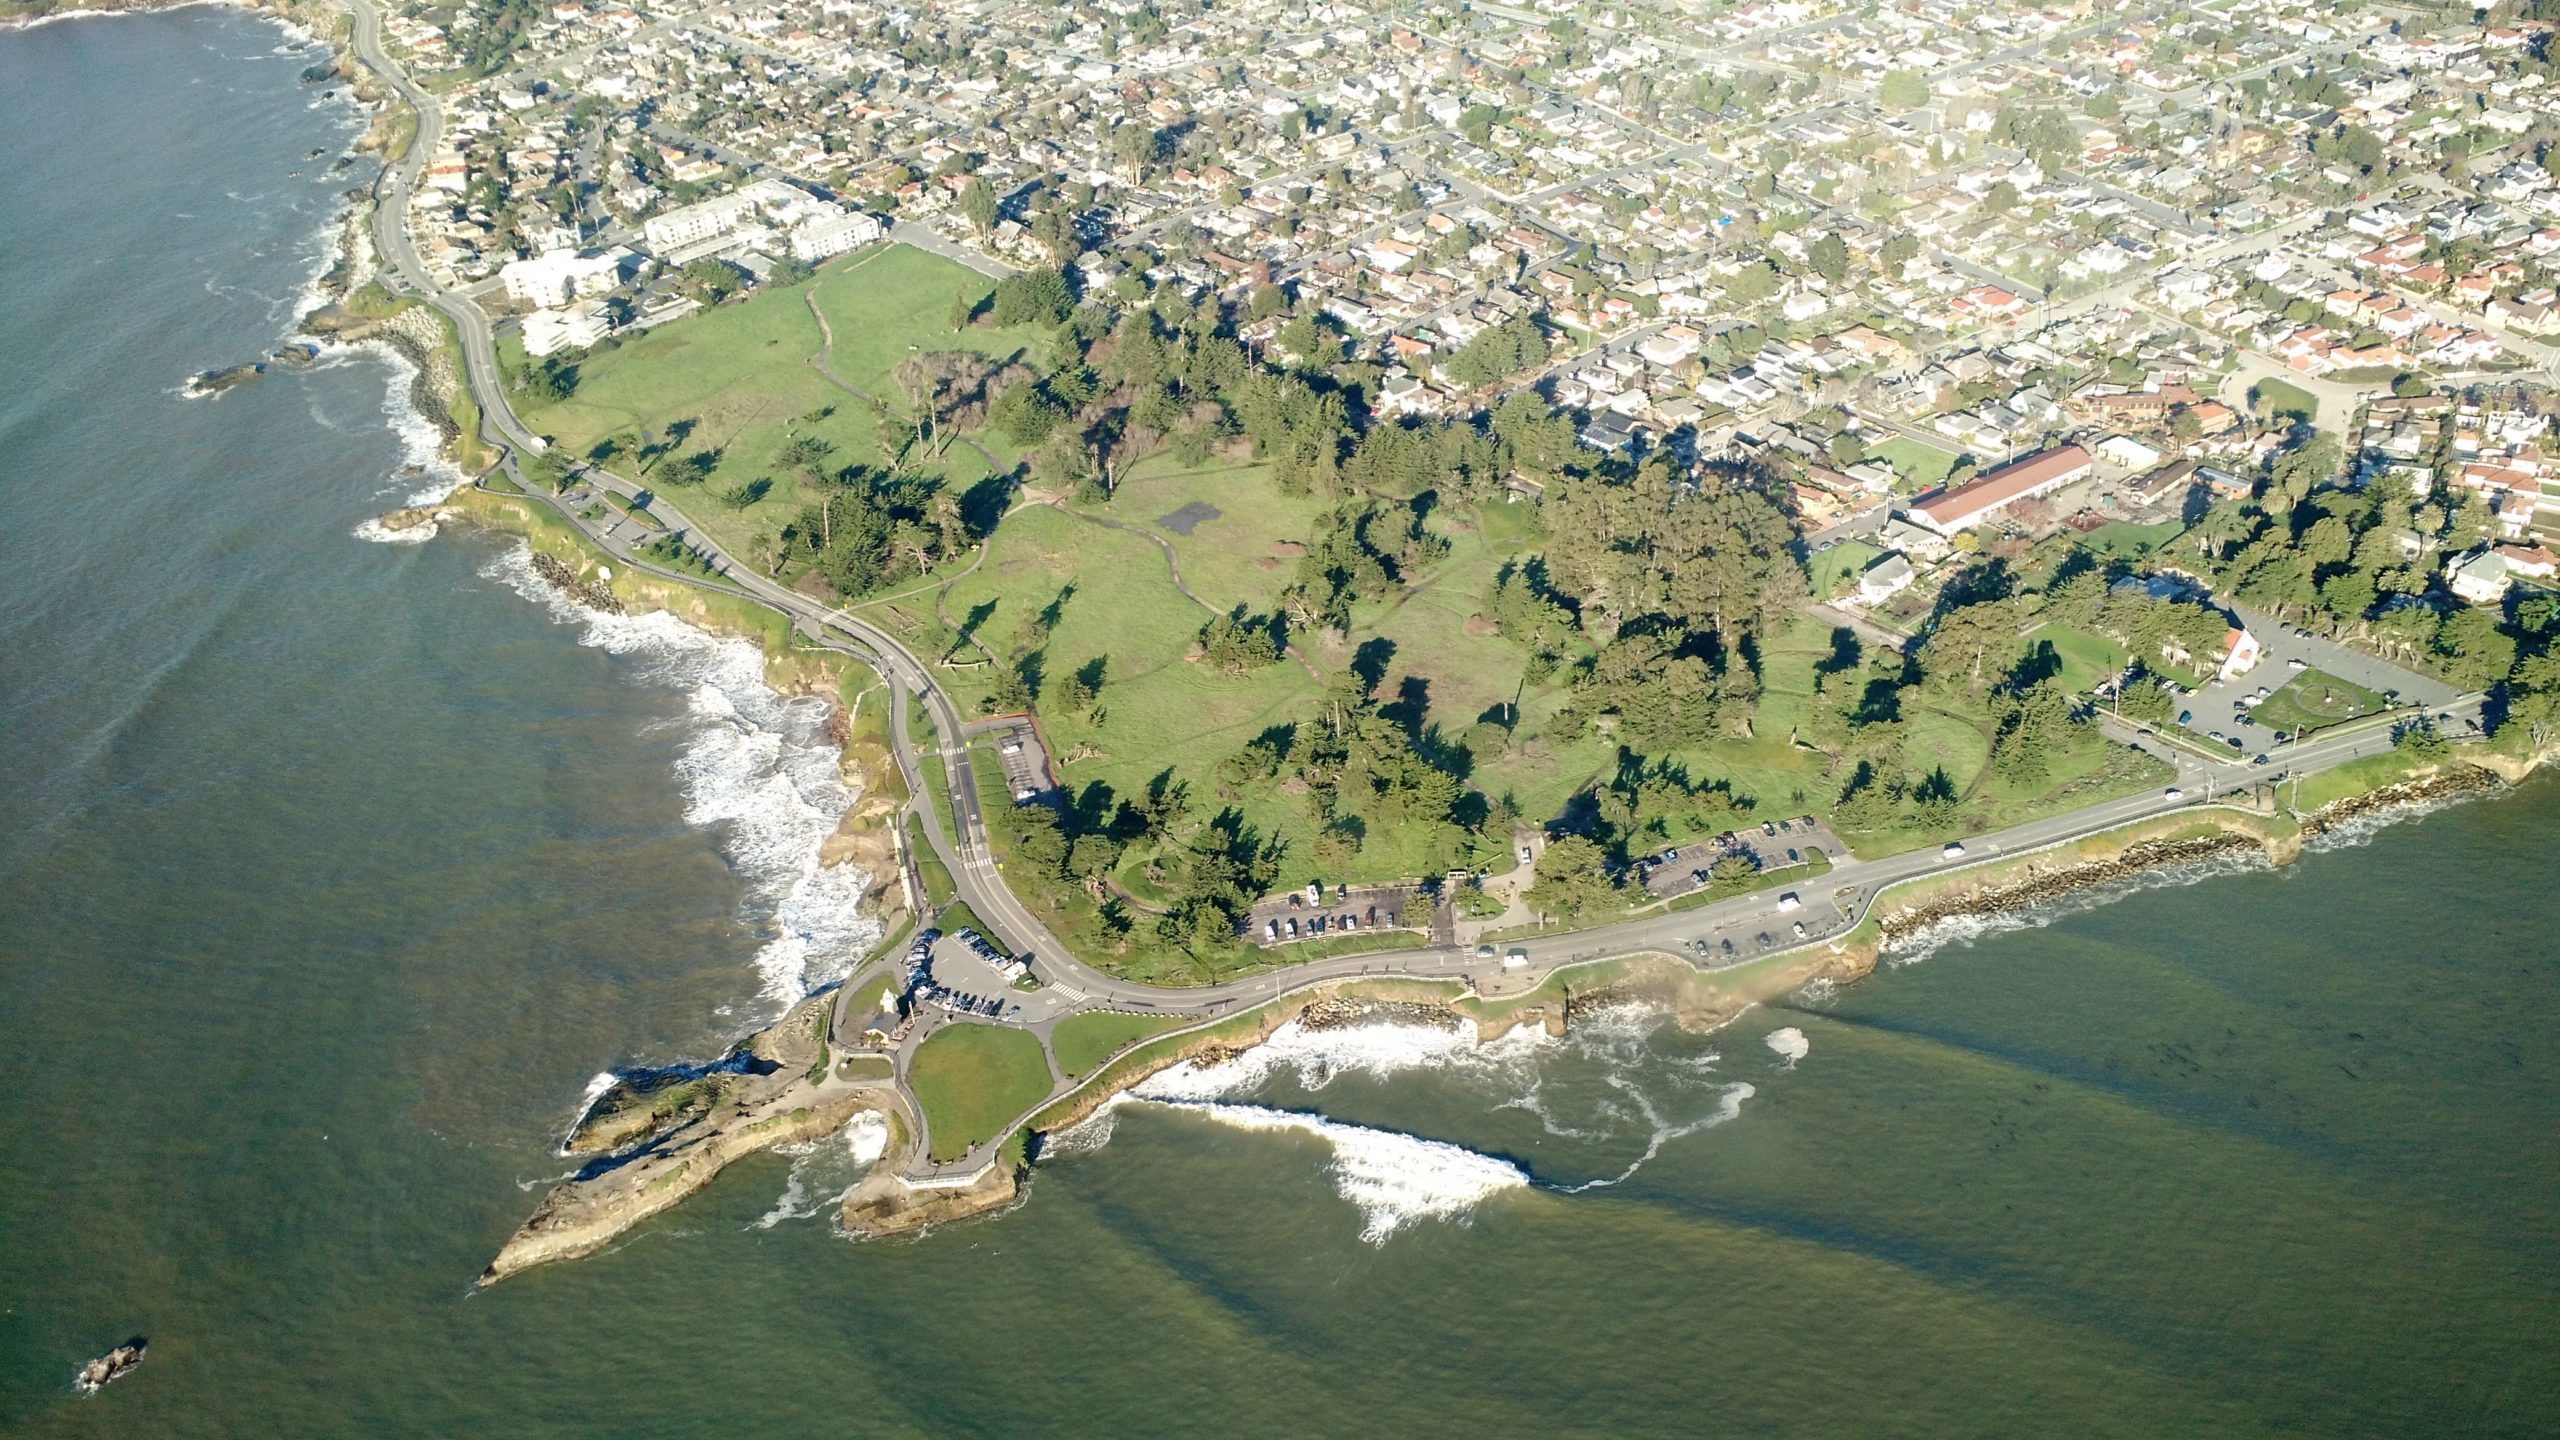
2455 780
2063 877
228 377
594 594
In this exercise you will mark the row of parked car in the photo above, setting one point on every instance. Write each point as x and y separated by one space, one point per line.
1286 927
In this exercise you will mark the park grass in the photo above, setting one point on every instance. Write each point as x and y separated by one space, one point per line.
2372 772
744 375
957 916
2129 540
973 1080
1083 1041
939 889
2272 396
2316 700
1839 566
2086 657
1246 554
1918 466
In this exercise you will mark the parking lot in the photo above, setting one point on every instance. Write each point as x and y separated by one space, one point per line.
2286 652
1024 760
966 979
1298 916
1771 845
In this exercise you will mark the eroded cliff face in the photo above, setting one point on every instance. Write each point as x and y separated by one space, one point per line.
661 1136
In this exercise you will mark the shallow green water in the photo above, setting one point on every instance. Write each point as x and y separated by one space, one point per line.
330 872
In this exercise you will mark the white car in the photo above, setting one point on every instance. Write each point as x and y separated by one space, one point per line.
2173 793
1527 856
1954 851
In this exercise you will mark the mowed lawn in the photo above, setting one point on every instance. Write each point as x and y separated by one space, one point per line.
740 380
1084 1041
1236 537
972 1080
2315 699
2085 658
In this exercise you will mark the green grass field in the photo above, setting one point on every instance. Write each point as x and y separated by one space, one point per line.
2315 700
2130 541
1084 1041
2272 396
938 886
741 379
1915 465
2087 658
972 1080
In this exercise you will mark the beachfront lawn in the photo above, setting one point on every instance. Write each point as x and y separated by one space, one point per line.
1083 1041
739 381
1916 466
973 1080
2315 700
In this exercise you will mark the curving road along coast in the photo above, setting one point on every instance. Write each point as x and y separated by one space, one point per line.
1752 925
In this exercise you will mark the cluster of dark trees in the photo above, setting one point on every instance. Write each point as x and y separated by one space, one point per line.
870 526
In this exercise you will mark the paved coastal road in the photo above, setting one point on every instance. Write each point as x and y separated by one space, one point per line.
1830 905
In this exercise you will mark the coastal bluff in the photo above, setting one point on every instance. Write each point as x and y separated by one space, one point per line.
661 1135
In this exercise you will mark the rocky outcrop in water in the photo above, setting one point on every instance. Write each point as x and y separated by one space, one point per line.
594 594
669 1132
229 377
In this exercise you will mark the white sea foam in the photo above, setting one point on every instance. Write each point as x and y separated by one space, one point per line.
1788 1044
1728 1105
1645 1088
1314 1057
2361 829
421 443
381 534
755 763
824 1170
1956 930
1394 1180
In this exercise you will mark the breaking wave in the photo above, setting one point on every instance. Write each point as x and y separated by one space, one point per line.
1393 1180
430 477
1609 1085
824 1170
757 764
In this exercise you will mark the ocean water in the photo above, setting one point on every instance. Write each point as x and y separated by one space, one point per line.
332 872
